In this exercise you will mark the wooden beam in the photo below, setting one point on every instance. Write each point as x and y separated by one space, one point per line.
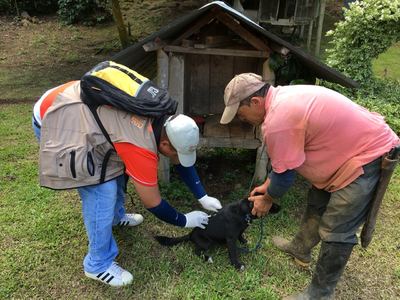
154 45
229 142
207 18
215 41
236 27
216 51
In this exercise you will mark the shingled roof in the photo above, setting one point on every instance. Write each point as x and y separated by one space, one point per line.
135 54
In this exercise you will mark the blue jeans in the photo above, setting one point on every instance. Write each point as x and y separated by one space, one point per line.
103 205
36 129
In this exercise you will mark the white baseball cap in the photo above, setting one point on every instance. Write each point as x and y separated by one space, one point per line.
183 134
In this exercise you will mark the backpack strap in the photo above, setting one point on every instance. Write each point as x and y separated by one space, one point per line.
107 156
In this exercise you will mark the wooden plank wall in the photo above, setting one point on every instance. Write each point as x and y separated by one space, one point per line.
206 77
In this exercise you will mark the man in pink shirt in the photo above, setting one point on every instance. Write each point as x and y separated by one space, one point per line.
335 144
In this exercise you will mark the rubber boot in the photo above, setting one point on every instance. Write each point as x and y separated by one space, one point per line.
303 242
332 260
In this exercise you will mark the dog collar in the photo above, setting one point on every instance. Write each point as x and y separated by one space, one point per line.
248 219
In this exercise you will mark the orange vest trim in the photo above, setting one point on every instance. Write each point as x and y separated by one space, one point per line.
48 101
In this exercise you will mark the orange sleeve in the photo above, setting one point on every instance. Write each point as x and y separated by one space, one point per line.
141 164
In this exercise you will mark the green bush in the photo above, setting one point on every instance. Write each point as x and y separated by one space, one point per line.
87 12
32 7
369 28
382 96
5 6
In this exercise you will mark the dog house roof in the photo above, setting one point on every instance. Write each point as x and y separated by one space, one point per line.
134 54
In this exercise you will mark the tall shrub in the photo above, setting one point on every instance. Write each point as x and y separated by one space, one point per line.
369 28
32 7
85 11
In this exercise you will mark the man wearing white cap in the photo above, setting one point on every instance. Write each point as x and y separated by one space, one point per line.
331 141
74 153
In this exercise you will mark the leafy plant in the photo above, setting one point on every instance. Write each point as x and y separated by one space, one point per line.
88 12
369 28
32 7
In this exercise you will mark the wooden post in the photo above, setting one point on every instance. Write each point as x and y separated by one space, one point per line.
177 80
310 29
320 24
262 158
123 35
170 74
162 81
268 74
301 35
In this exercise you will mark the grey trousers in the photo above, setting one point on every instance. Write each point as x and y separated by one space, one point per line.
343 211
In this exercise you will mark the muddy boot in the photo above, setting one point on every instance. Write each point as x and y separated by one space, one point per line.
332 260
306 239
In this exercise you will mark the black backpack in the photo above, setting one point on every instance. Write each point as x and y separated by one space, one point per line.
109 83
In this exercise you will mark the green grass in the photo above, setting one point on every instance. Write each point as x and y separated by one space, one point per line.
43 242
42 238
387 65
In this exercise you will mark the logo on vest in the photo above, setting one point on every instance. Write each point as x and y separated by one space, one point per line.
153 91
136 121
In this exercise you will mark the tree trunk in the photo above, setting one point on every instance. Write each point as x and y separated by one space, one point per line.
123 35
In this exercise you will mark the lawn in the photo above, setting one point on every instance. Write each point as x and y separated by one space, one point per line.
387 65
42 238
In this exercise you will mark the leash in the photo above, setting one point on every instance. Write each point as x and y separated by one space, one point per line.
248 217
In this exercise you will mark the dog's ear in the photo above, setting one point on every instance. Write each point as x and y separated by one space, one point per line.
275 208
246 206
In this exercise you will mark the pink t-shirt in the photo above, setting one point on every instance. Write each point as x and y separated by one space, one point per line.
323 135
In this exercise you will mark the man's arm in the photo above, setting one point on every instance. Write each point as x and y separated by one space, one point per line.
275 186
151 199
141 166
191 178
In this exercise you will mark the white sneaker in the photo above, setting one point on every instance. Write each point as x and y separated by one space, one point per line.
130 220
114 276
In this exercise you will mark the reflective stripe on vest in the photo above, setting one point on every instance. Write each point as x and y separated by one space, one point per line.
48 101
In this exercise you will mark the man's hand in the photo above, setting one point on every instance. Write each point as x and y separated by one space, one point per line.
262 205
261 189
210 203
196 219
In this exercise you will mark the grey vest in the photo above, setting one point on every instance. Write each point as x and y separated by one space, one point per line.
73 148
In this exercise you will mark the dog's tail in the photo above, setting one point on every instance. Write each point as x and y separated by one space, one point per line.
171 241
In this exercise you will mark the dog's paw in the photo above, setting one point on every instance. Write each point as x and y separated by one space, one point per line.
210 260
240 267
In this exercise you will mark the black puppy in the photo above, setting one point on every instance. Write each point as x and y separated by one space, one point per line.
226 226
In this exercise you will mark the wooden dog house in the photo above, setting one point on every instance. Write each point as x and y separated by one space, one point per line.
197 55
